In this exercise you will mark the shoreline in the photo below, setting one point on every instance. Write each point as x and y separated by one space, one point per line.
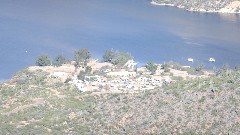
3 80
162 4
222 10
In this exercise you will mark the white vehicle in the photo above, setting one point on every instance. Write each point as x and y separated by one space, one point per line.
211 59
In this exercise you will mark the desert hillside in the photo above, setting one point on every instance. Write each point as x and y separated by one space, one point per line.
33 103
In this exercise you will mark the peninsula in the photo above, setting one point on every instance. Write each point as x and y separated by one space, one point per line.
87 96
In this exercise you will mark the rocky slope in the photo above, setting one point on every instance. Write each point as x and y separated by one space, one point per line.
33 103
220 6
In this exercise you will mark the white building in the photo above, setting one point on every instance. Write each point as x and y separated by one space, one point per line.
122 74
58 74
131 64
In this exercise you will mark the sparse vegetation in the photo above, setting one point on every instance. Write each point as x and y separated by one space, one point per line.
33 103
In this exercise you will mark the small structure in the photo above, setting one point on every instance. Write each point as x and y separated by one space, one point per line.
131 64
81 87
190 59
58 74
186 66
211 60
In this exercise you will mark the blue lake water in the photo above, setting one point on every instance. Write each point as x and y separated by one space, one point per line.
31 28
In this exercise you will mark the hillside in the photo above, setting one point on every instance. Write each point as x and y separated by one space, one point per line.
221 6
32 103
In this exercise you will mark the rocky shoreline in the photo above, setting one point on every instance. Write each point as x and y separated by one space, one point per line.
228 6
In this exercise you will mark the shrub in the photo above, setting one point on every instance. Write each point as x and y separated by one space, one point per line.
117 58
67 80
166 70
151 67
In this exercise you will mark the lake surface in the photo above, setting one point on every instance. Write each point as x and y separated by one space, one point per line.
31 28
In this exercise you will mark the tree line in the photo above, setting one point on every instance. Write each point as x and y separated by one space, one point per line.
82 57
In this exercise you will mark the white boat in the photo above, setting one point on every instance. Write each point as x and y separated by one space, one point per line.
211 59
190 59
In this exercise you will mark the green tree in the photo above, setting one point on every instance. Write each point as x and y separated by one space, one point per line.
43 60
165 67
82 56
117 58
60 60
109 55
151 67
121 59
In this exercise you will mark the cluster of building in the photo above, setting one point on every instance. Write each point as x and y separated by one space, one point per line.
113 79
116 82
127 78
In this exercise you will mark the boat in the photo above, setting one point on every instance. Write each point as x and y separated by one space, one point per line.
212 60
190 59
